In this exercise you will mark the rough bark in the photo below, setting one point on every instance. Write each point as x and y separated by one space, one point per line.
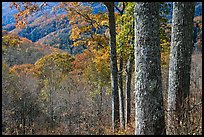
113 65
149 111
180 63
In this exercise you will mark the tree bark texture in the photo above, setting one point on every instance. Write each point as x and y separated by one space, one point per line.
113 64
180 63
149 110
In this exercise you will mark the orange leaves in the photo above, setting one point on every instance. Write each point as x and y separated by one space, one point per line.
24 69
81 60
24 9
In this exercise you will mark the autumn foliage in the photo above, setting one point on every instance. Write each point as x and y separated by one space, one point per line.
59 82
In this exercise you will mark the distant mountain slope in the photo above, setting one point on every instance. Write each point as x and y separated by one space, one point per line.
18 50
60 39
44 28
41 27
7 14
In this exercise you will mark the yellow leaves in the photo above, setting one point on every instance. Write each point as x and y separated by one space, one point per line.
104 22
91 43
102 60
102 56
75 34
44 95
77 43
55 63
11 40
85 25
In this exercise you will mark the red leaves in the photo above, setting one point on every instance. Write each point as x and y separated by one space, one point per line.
81 61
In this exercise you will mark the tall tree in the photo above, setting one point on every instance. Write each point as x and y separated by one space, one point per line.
113 64
180 63
149 111
120 71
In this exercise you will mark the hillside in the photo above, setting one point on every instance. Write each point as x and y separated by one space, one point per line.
44 27
19 50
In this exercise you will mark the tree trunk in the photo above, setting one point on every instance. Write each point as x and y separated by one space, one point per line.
113 64
120 90
120 81
180 63
149 116
129 67
128 88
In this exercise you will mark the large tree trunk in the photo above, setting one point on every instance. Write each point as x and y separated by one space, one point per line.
113 64
180 63
149 116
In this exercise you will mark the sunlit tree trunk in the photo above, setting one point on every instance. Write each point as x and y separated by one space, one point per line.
149 111
120 90
180 63
113 64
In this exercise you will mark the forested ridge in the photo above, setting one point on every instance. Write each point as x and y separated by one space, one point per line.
100 68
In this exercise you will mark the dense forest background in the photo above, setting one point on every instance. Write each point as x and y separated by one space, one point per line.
56 73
